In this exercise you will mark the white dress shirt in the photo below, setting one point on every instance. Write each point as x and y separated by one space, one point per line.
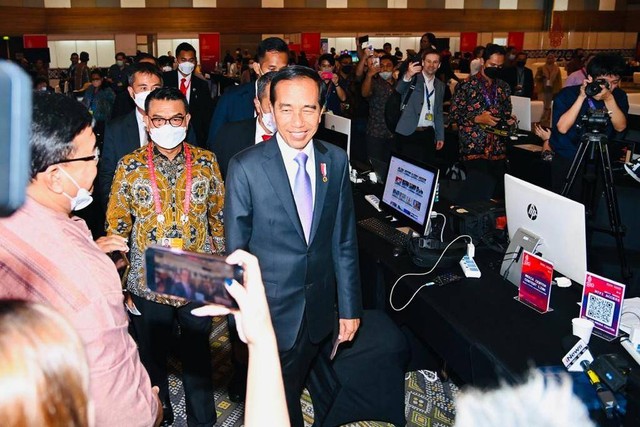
259 132
289 154
428 89
142 130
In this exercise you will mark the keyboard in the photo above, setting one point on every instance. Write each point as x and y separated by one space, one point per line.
385 231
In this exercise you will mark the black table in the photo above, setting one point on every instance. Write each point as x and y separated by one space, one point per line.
475 325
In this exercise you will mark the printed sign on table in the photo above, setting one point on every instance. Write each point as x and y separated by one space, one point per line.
535 282
602 303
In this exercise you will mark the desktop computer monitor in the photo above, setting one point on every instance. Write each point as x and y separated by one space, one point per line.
558 222
337 131
521 108
409 192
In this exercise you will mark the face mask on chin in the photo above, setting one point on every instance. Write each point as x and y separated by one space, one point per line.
186 68
167 136
82 198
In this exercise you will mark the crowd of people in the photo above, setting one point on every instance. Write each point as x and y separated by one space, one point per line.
247 175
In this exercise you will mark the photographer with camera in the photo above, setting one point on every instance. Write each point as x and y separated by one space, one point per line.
481 108
598 105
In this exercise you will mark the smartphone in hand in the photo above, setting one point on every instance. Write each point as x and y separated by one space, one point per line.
190 276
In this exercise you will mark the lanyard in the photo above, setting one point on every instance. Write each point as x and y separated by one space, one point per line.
428 95
156 192
490 98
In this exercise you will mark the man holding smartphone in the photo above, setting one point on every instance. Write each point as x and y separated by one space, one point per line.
169 192
421 126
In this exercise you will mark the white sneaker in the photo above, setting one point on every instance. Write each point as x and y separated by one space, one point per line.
633 169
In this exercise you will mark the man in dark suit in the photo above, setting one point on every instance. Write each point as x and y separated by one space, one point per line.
126 133
236 136
194 88
519 77
237 102
301 229
421 126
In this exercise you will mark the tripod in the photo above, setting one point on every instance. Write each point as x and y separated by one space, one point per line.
598 143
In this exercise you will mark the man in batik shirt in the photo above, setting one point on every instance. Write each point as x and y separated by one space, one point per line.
478 105
170 193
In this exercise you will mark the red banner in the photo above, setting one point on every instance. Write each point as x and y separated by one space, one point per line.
468 42
310 43
516 40
31 41
209 51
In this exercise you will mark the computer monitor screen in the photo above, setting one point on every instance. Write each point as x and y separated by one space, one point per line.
521 108
409 191
337 131
558 221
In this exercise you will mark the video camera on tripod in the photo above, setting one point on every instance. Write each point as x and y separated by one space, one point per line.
594 120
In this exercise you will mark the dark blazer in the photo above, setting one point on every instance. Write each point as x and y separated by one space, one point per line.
232 139
261 217
121 137
200 104
511 77
411 115
234 105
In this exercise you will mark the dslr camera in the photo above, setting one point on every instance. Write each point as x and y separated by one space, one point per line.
595 87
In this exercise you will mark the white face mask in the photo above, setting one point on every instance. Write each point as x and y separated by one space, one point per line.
120 63
186 68
140 98
385 75
167 68
269 122
82 199
167 136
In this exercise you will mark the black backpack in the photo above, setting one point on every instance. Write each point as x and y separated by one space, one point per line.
395 105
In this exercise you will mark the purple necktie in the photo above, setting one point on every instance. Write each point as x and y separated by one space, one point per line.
302 194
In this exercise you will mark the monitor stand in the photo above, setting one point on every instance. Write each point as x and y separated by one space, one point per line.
511 268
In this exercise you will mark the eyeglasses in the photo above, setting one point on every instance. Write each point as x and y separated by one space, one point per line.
173 121
95 157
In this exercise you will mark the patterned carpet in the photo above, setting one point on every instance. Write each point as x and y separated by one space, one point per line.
427 404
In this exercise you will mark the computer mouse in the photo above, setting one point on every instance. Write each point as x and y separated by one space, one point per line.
397 251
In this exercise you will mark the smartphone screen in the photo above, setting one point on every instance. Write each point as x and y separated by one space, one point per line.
364 42
190 276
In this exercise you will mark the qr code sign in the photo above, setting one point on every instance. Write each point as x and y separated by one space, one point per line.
600 309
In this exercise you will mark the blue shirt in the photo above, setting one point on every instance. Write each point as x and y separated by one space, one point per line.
567 145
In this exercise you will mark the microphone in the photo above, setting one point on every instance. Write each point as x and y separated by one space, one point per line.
577 352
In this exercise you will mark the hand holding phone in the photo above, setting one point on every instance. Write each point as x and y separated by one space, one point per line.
191 276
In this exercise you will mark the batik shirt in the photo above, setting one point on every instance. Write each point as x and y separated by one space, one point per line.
131 211
470 99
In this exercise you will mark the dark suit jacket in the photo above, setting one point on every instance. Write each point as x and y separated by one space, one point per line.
121 137
200 104
232 139
234 105
411 115
261 217
511 77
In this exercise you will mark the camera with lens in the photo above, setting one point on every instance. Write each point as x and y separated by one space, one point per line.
595 87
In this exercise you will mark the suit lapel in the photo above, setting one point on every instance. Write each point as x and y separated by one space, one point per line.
133 142
322 183
277 175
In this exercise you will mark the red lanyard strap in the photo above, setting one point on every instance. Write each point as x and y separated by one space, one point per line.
156 192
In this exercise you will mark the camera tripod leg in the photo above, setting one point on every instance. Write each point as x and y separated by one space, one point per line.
615 223
575 165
